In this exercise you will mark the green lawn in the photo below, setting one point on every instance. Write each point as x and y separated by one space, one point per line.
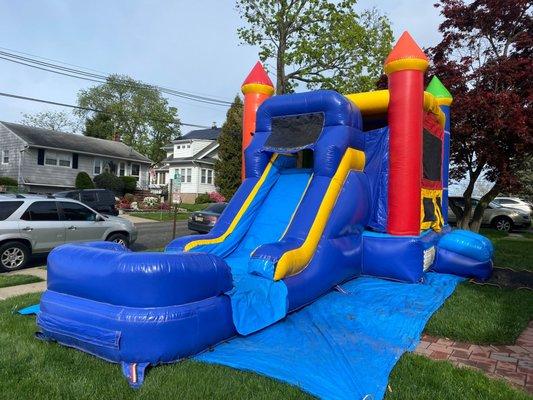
512 251
483 314
160 216
15 280
32 369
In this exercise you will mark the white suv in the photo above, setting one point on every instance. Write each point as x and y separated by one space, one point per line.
37 224
514 202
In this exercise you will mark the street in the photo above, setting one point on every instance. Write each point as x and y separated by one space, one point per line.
156 235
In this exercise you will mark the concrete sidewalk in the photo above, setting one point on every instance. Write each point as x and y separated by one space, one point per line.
137 220
12 291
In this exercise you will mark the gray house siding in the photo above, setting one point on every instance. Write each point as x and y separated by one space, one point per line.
11 142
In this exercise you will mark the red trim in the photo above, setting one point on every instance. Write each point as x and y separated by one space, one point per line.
434 185
405 162
258 75
432 125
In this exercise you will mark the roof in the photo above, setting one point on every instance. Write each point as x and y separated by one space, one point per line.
38 137
258 75
203 134
405 48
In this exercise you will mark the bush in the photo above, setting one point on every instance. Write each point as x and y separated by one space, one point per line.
216 197
5 181
84 181
202 198
130 184
129 197
110 181
151 202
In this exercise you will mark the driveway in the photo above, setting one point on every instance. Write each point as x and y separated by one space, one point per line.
156 235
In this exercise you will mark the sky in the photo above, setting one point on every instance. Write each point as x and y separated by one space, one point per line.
190 46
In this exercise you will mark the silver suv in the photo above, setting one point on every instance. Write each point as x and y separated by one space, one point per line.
501 218
36 224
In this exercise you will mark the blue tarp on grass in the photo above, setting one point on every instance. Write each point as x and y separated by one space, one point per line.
344 345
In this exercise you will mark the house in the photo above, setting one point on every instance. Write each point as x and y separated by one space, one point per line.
190 158
46 161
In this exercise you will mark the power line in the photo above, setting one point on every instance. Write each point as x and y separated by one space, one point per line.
55 103
98 78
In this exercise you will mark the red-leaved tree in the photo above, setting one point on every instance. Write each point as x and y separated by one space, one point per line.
485 61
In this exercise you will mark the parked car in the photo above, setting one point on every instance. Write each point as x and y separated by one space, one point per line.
203 221
101 200
501 218
514 202
36 224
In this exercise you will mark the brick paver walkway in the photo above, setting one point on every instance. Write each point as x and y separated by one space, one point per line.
512 363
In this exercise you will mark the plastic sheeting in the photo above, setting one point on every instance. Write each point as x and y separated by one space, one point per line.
344 345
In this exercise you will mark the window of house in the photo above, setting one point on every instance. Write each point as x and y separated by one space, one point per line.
188 146
121 168
5 157
135 169
203 178
178 147
210 176
97 168
189 175
58 159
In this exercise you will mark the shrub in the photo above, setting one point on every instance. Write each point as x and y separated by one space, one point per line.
202 198
216 197
84 181
151 201
109 181
5 181
124 204
130 184
165 206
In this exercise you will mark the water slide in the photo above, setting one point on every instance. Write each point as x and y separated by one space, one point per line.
290 234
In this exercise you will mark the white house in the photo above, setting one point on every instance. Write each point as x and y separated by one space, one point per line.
192 158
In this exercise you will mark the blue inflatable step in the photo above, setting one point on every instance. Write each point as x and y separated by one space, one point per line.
464 253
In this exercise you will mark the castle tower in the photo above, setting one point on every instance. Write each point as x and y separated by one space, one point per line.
257 87
405 67
444 98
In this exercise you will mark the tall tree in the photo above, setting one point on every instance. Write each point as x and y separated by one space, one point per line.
228 166
485 60
317 42
135 111
53 120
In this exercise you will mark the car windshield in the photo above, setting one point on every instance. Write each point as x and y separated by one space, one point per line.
493 204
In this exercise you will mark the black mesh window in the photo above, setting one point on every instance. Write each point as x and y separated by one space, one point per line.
432 157
294 132
429 209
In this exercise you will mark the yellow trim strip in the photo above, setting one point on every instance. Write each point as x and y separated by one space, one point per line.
377 103
257 88
239 214
403 64
296 260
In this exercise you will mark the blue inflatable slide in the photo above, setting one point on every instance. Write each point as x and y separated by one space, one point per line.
310 214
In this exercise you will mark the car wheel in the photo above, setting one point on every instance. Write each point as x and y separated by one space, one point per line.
119 238
13 256
503 224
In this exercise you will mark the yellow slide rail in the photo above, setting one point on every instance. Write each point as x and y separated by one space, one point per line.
239 215
296 260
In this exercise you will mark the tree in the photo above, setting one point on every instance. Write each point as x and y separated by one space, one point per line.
108 180
484 58
84 181
53 120
317 42
135 111
228 166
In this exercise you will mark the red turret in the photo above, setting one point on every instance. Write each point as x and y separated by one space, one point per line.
257 87
405 68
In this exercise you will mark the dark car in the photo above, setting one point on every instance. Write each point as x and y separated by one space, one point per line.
101 200
203 221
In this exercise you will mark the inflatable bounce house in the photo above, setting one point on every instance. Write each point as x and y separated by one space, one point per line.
334 187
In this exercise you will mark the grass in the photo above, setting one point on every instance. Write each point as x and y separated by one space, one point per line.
160 216
483 315
15 280
515 252
418 378
169 215
34 370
